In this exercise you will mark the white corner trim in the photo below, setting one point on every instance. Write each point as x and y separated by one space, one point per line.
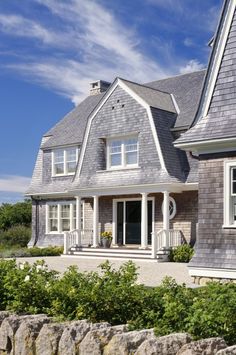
215 66
212 272
175 103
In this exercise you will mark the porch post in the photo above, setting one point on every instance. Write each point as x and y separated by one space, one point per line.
95 221
78 220
144 221
166 217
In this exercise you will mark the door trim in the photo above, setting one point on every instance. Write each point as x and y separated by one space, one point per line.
114 215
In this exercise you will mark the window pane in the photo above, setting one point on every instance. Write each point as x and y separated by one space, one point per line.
65 225
131 158
59 156
234 187
131 144
65 211
59 169
53 211
234 174
116 146
115 159
71 154
71 167
53 225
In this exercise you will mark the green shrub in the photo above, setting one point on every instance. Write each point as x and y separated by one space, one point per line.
112 295
17 235
15 214
16 252
182 253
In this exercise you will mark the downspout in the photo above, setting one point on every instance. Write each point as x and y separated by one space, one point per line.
36 221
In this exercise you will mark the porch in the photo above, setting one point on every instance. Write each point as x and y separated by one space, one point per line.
133 223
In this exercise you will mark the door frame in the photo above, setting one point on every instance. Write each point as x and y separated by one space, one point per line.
114 215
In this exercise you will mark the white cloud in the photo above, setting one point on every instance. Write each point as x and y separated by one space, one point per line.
188 42
14 183
191 66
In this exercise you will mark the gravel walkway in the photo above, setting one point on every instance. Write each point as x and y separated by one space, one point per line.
150 273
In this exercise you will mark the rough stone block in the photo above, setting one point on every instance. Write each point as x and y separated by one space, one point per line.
231 350
48 338
205 346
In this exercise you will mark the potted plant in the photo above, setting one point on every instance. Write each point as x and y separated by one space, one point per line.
106 238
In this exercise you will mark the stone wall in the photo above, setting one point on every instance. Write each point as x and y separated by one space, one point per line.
39 335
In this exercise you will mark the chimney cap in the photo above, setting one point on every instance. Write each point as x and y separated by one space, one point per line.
98 86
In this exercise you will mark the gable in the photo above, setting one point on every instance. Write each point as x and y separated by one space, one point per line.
216 117
121 115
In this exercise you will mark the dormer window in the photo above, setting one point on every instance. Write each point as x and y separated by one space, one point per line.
64 161
122 152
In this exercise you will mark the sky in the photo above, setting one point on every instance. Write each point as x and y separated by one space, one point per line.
50 50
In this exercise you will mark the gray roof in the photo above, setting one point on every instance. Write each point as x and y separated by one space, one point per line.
70 130
186 89
153 97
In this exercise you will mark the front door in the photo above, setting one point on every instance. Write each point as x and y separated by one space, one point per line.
133 222
128 226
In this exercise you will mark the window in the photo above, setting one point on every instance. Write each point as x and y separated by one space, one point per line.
64 161
61 217
172 207
122 152
230 194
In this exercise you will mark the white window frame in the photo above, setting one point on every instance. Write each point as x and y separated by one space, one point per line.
65 161
123 164
228 195
59 219
172 215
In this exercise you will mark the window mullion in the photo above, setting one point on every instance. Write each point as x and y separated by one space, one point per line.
71 216
65 165
123 160
59 217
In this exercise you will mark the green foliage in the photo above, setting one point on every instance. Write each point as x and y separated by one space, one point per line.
112 296
16 252
116 297
16 235
15 214
106 235
182 253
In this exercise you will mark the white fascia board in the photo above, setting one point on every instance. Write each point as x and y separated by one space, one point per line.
214 66
131 189
175 104
153 128
50 194
209 146
212 272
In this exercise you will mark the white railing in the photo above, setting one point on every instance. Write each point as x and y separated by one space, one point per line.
74 238
165 239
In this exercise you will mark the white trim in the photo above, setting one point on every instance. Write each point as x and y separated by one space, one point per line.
209 146
59 219
212 272
214 67
119 82
172 215
228 213
114 214
175 104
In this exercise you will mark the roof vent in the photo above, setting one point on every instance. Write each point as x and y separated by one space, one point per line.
99 86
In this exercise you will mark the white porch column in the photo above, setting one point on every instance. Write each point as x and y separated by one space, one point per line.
95 221
144 221
166 217
78 220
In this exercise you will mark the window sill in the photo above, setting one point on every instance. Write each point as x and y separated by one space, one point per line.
119 169
62 175
230 226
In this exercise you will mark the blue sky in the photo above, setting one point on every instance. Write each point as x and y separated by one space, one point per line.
51 49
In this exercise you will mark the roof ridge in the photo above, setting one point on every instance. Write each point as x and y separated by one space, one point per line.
143 85
175 76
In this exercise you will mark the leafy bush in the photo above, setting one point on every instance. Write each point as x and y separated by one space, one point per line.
15 214
182 253
114 296
16 252
17 235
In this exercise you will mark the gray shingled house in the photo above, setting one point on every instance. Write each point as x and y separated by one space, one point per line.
213 139
110 165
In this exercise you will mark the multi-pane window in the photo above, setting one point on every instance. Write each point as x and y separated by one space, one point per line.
61 217
122 152
229 194
64 161
233 194
53 218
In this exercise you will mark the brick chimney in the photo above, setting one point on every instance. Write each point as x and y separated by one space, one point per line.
99 86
